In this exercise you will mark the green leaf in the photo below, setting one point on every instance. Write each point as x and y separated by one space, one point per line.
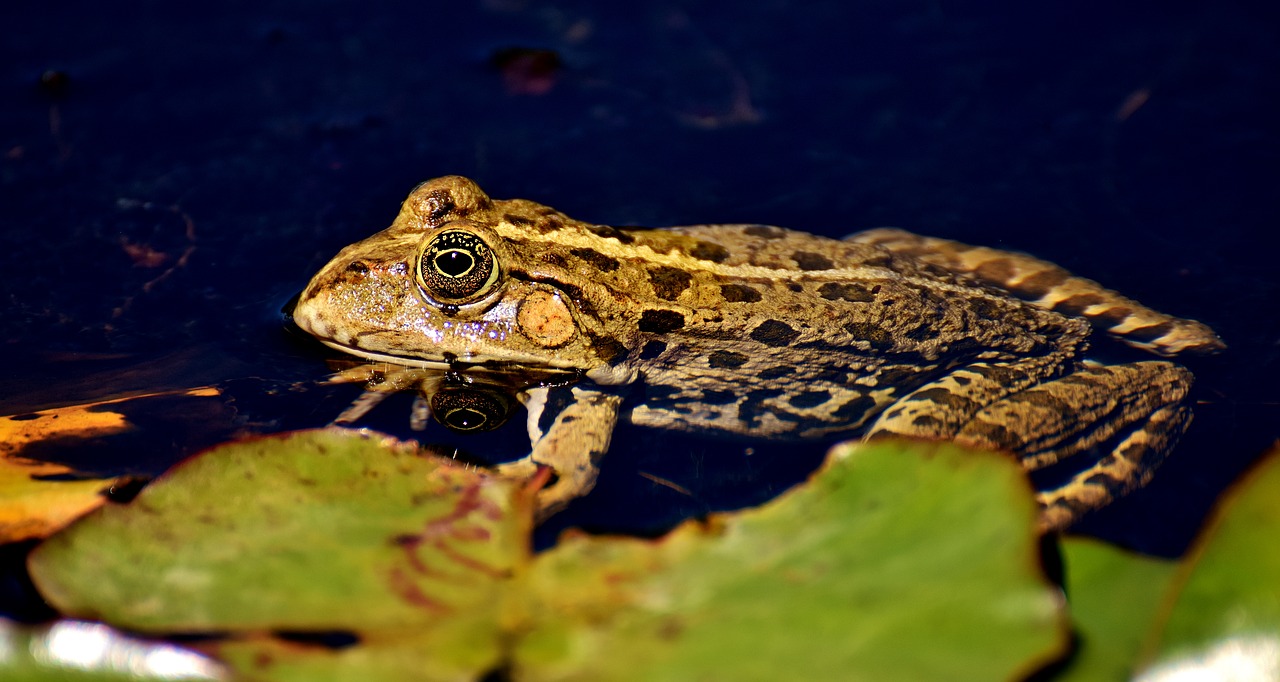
1226 615
1114 595
319 532
897 561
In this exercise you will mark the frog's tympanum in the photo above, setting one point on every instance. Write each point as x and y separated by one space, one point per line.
753 331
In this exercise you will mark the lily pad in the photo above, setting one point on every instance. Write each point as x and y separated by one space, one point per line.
898 561
332 555
1114 596
1224 622
320 532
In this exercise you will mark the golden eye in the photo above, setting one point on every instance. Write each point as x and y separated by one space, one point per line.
456 265
470 409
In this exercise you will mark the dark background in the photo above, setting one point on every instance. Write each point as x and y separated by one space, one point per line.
1135 145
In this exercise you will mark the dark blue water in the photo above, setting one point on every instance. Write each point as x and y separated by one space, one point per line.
1136 146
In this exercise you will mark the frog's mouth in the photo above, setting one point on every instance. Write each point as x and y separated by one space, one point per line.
453 364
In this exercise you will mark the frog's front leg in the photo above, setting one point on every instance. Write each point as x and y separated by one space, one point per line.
572 446
1129 415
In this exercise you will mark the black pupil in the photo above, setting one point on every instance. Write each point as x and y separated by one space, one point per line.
454 263
466 418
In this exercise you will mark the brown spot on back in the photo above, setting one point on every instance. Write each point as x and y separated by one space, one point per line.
669 282
751 409
726 359
848 291
877 336
739 293
660 321
597 260
998 270
777 372
711 397
997 435
902 375
809 398
516 220
807 260
709 251
652 350
774 333
764 232
1040 283
854 409
610 233
609 350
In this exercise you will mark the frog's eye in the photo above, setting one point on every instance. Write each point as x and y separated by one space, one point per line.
470 409
456 265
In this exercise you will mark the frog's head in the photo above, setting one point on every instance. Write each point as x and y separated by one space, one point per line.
441 287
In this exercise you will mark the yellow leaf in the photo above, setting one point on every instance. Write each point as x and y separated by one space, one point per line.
35 508
38 498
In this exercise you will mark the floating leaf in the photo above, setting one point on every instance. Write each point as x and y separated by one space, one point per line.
1224 622
37 498
899 561
1114 594
330 556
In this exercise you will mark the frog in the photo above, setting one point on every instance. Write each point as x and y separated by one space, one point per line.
758 332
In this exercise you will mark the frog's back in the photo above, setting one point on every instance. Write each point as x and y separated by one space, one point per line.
769 332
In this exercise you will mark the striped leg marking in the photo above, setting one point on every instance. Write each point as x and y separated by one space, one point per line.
939 409
1126 416
1049 286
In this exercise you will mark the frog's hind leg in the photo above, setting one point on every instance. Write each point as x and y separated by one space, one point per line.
1127 416
1051 287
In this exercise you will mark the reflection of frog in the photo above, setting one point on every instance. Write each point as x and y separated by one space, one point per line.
761 332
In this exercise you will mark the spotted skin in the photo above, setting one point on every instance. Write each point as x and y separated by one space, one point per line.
760 332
